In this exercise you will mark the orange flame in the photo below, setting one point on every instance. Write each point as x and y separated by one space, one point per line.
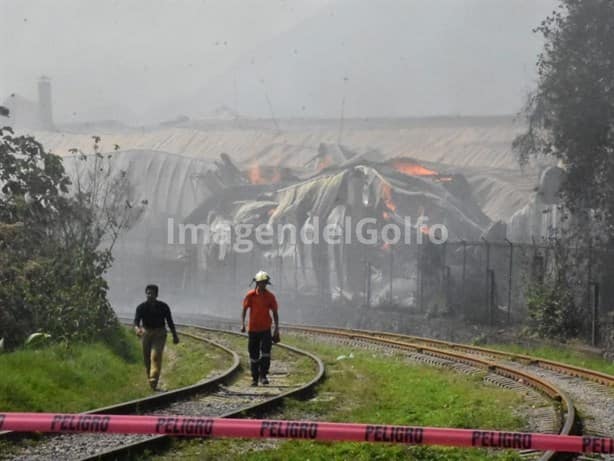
410 168
387 197
422 227
258 175
254 175
325 162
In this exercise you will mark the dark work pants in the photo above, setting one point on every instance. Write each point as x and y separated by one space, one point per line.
259 347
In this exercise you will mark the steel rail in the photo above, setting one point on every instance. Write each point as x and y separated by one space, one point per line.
160 441
572 370
142 404
535 382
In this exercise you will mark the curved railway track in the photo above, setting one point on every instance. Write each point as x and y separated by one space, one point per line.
561 419
226 395
565 386
588 391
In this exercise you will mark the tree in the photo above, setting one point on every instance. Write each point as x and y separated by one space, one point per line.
571 119
32 180
105 195
56 240
553 311
571 114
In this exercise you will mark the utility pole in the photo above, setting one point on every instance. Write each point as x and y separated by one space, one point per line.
268 100
342 117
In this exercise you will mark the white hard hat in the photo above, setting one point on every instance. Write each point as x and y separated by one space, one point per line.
262 276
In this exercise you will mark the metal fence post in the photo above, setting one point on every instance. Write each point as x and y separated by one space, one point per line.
296 268
595 320
319 270
234 270
443 265
509 281
463 276
486 284
368 285
421 278
447 275
391 271
341 273
281 272
491 299
589 277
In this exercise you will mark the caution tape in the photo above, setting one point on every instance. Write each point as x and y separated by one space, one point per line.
311 430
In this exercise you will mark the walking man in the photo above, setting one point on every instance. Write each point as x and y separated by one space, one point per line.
152 314
260 301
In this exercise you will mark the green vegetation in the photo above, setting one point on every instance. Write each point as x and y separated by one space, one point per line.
560 353
376 388
552 311
87 376
56 237
570 115
191 361
570 121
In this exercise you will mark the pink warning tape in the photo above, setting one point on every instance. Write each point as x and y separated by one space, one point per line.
263 428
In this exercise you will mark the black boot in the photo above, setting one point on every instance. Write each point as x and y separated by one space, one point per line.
255 369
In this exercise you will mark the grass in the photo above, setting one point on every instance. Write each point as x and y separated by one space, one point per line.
560 353
190 361
370 388
86 376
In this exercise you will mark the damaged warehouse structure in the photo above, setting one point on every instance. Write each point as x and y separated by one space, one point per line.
375 231
373 253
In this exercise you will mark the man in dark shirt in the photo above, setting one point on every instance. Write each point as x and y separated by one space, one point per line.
152 314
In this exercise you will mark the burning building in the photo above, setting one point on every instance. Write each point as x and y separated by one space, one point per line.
328 225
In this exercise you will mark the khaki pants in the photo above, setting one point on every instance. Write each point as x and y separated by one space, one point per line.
153 341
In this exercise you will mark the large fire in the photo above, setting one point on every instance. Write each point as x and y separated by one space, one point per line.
411 168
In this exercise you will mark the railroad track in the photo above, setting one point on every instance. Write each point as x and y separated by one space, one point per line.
589 392
558 417
542 377
227 395
574 388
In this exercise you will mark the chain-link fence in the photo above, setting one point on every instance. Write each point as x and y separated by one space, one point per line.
481 281
489 282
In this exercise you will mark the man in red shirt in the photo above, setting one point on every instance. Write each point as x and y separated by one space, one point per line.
260 301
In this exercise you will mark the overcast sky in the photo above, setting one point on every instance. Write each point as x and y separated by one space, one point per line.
145 60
